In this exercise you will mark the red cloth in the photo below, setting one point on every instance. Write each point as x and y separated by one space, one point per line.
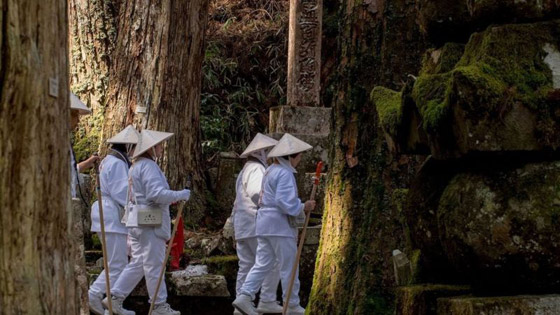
177 247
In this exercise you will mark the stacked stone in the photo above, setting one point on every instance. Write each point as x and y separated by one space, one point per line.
485 207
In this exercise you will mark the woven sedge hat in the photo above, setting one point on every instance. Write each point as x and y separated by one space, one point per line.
149 139
260 142
77 104
288 145
128 135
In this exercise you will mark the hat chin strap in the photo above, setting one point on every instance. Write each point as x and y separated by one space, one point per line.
152 152
129 147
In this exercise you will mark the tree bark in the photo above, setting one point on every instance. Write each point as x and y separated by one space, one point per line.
36 262
92 37
157 65
379 44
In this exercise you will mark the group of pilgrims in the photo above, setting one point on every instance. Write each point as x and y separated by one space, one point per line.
264 220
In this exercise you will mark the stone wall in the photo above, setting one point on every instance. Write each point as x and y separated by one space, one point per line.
485 107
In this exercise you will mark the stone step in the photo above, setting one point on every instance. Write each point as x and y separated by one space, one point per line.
422 299
185 304
522 305
312 235
183 284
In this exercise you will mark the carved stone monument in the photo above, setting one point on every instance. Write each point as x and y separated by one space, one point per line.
304 52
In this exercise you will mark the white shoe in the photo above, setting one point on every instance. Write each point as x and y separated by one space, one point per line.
269 307
243 304
116 305
236 312
95 305
296 310
164 309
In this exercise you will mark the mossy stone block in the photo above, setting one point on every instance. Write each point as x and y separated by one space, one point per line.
519 305
422 299
500 227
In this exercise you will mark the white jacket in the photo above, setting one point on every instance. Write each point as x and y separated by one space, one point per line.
279 199
113 174
150 187
248 188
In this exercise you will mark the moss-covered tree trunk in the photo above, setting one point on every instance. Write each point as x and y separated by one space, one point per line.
92 38
155 81
36 262
379 44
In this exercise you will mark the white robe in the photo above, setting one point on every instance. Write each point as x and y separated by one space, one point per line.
113 174
117 259
279 200
150 187
248 188
276 238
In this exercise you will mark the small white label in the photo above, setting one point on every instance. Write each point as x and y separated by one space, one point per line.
140 109
53 87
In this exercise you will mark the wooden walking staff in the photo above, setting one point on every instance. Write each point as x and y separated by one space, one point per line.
168 250
302 238
103 243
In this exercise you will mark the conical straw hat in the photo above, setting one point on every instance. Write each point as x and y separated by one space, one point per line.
260 142
149 139
128 135
77 104
289 145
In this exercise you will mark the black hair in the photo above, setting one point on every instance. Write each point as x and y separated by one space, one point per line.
287 157
121 147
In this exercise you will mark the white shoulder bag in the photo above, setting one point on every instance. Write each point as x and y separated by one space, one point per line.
146 215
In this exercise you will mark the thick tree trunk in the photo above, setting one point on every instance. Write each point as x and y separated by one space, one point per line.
156 79
92 37
36 262
379 44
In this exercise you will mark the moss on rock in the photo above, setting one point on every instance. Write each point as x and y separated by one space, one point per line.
473 103
86 139
388 104
223 265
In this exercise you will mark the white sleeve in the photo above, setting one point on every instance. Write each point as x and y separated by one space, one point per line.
156 189
118 182
286 195
253 184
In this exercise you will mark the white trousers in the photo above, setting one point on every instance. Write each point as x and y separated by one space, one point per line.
148 254
116 260
247 251
272 249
